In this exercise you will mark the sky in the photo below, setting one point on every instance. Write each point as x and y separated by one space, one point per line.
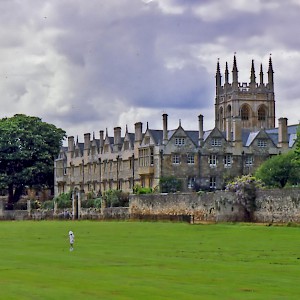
93 65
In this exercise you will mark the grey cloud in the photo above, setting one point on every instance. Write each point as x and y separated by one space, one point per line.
91 60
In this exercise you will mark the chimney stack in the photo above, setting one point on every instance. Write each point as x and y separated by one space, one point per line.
228 129
237 132
117 135
283 141
201 133
71 143
165 129
138 132
87 141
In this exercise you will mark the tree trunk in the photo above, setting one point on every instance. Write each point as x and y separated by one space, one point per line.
14 194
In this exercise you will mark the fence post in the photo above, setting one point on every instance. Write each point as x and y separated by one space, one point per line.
29 207
1 209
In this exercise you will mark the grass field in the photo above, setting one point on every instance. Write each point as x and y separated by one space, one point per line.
141 260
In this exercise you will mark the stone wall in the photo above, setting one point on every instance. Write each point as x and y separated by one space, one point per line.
272 206
278 206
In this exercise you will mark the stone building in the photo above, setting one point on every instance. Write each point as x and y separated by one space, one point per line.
243 137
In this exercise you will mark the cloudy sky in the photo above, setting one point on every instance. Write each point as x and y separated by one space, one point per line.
85 66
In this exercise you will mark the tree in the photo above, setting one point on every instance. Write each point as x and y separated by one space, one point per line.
28 148
279 170
297 146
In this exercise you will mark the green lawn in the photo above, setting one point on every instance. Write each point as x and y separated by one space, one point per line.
141 260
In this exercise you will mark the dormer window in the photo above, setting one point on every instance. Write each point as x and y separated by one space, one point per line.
216 142
179 141
261 143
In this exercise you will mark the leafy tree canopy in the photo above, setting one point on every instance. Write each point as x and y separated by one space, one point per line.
297 146
279 170
28 148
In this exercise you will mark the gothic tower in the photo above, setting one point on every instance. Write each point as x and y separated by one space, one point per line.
253 103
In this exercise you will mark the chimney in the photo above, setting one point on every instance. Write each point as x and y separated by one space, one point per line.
283 141
87 141
71 143
228 129
138 131
237 132
117 135
201 133
101 144
165 129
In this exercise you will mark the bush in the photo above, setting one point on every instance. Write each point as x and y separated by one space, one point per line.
49 204
170 184
245 189
138 190
94 203
64 200
116 198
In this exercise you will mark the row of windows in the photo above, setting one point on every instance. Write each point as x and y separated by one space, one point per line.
176 159
217 142
213 160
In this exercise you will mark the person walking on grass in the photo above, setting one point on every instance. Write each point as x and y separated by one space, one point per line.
72 240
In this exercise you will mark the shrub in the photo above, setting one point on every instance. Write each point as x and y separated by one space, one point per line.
116 198
142 190
49 204
64 200
245 189
170 184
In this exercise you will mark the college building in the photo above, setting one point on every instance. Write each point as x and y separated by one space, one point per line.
243 137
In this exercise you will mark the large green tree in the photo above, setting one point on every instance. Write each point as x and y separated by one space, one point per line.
279 170
28 148
297 146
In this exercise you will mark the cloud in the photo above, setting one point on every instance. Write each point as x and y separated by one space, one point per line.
88 65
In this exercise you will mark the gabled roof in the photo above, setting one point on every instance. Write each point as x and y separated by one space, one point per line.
292 134
157 136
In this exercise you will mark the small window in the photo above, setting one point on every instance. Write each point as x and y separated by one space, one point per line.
151 157
213 160
190 159
212 182
227 160
179 141
216 142
249 160
262 143
175 159
191 182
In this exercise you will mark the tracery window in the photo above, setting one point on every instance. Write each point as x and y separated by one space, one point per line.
245 113
261 114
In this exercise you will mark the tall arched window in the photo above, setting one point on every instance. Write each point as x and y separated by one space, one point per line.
245 113
228 113
221 118
261 114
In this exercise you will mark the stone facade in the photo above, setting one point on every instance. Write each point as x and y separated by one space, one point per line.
242 139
